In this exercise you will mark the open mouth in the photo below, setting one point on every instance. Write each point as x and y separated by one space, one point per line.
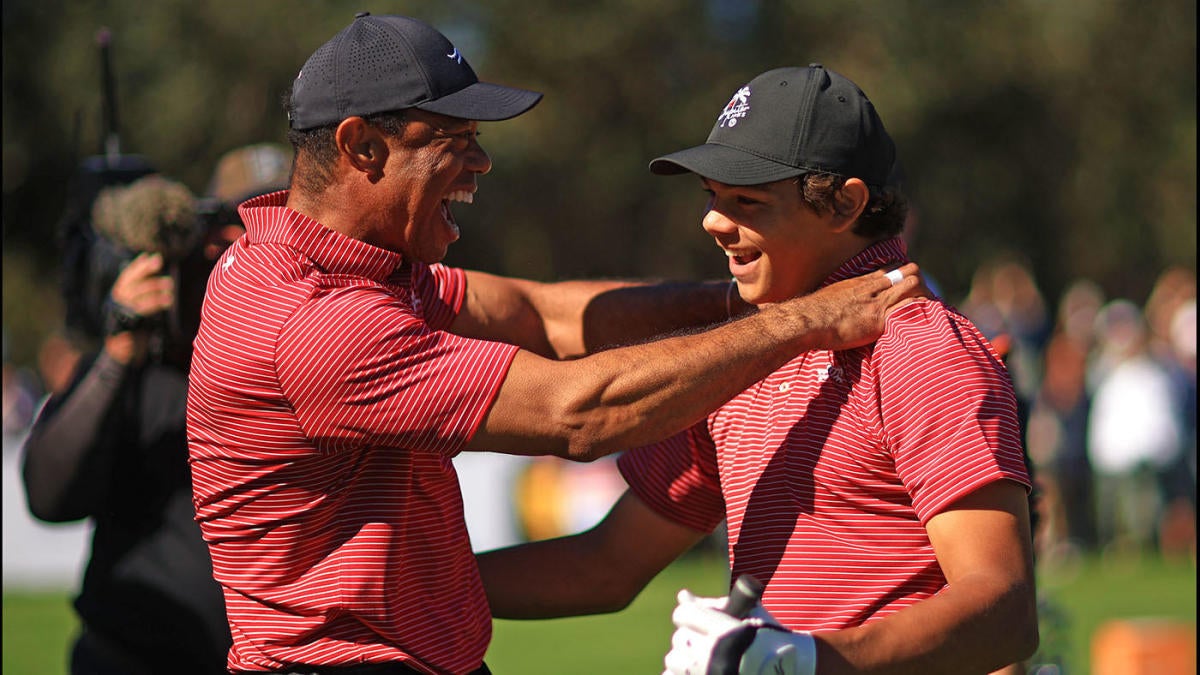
743 258
464 196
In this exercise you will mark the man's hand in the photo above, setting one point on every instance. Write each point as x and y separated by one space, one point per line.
852 313
707 641
140 291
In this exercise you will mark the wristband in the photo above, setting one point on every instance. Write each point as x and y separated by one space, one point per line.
119 319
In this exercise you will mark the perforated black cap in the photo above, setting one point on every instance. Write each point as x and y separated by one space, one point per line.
384 63
787 122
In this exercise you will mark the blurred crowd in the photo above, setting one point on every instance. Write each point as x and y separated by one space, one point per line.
1107 388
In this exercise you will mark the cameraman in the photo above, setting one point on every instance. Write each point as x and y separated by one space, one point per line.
113 448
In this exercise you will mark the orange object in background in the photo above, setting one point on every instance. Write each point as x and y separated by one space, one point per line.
1144 647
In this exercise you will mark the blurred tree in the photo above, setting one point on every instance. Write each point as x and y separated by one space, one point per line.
1064 130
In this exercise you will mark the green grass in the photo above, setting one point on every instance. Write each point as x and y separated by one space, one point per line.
1095 591
38 631
38 627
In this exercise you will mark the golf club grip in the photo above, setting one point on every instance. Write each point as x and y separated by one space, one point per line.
744 595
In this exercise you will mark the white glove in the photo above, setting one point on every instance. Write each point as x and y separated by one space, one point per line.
707 641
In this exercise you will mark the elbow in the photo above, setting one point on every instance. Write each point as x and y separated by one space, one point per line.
1023 623
46 510
597 439
585 451
601 431
1029 634
48 504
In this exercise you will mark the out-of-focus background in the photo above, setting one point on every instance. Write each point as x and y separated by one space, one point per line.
1049 150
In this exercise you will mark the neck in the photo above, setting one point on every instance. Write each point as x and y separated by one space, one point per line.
841 249
337 209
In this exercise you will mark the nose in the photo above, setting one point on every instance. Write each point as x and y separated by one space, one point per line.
478 159
717 224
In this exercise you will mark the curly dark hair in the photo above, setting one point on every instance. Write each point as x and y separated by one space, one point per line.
320 151
883 217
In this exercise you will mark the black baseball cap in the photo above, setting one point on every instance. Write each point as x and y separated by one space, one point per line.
384 63
787 122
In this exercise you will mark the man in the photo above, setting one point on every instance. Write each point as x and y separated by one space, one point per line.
878 492
339 367
113 446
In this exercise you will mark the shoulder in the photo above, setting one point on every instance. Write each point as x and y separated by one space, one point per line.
356 307
932 327
929 349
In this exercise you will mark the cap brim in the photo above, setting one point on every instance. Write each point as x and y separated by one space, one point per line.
723 164
484 102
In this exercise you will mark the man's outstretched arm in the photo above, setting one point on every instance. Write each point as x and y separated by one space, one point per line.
571 318
627 397
594 572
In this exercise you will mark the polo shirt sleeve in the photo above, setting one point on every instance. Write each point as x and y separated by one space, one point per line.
678 478
947 407
360 368
442 290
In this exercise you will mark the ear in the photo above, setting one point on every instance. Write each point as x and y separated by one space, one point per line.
362 145
849 203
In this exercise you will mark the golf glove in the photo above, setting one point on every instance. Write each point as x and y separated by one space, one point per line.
707 641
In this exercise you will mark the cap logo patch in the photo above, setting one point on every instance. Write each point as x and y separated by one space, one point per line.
455 56
736 109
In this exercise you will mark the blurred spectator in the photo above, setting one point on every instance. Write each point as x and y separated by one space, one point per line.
1056 435
1007 306
1135 430
110 444
1171 317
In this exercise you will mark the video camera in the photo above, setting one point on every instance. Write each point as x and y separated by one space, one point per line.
120 212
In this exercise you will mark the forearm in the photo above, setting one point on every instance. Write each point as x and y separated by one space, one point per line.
550 579
974 626
632 314
61 440
572 318
598 571
623 398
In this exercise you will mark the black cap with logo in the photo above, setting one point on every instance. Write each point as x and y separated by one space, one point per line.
384 63
787 122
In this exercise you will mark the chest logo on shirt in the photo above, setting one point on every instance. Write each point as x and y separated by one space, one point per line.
830 372
228 262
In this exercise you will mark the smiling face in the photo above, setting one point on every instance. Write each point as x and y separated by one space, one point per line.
433 162
778 247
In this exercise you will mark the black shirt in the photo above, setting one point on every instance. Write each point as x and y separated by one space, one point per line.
114 448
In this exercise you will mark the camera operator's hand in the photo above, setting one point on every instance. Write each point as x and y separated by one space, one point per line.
140 291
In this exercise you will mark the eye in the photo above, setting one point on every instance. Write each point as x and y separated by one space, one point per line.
747 201
464 135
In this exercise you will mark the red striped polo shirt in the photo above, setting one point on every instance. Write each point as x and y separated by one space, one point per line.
326 401
828 469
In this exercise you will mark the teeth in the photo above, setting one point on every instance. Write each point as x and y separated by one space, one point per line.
742 257
464 196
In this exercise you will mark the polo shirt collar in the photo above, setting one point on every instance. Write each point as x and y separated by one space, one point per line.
269 220
879 255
